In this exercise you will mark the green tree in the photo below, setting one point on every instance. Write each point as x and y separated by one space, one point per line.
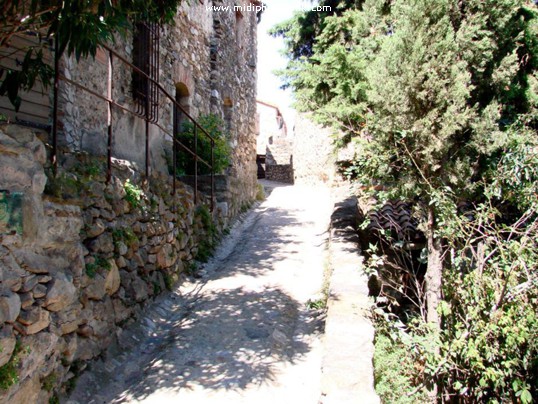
79 26
437 94
329 53
442 92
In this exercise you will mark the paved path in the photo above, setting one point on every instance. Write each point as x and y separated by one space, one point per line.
241 334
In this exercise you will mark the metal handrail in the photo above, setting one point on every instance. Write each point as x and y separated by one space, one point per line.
114 104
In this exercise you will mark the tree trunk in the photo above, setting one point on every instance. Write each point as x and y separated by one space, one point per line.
434 272
434 278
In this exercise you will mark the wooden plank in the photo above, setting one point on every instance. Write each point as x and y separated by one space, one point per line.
17 50
25 116
36 105
27 108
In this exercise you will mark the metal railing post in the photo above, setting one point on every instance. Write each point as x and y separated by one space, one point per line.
147 131
174 149
54 152
212 174
195 163
109 120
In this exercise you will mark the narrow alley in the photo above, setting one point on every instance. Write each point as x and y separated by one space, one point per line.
242 332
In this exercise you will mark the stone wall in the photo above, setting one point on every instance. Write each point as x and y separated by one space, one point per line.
233 81
280 173
207 58
90 256
279 160
313 153
228 194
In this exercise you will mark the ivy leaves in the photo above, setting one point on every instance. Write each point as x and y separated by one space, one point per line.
33 69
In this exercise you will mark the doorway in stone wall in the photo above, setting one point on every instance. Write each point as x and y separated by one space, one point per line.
183 99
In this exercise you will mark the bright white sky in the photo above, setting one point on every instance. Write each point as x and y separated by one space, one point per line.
270 58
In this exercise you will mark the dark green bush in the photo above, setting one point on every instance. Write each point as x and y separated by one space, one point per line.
185 161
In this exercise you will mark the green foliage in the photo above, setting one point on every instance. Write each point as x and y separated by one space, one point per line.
168 281
133 194
440 100
9 374
125 235
80 26
204 214
33 69
156 288
49 382
316 304
64 186
191 268
90 169
396 374
98 263
260 193
488 344
208 237
221 152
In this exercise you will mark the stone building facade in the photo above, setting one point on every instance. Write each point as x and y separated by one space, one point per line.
83 256
207 62
273 142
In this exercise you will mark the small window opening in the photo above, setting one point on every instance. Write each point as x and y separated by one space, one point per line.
228 113
146 58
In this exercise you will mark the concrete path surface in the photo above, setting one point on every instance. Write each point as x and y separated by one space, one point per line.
240 334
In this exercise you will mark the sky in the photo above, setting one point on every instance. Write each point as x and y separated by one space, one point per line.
270 58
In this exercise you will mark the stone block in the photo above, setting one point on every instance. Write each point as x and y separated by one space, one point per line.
139 290
39 263
96 289
112 280
39 291
96 229
11 273
7 342
27 391
61 225
103 243
28 283
66 322
61 293
27 299
34 320
10 307
36 353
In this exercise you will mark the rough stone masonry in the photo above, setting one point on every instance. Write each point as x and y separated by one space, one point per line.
90 253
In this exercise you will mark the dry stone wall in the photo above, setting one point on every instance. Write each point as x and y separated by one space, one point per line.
313 152
233 87
90 256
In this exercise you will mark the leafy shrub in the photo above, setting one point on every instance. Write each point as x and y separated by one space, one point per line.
486 350
185 161
396 374
133 194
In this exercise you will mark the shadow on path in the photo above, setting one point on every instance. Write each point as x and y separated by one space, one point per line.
229 339
233 329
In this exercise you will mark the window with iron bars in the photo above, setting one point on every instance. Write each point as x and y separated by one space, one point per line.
146 58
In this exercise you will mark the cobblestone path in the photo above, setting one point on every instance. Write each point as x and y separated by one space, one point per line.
240 334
